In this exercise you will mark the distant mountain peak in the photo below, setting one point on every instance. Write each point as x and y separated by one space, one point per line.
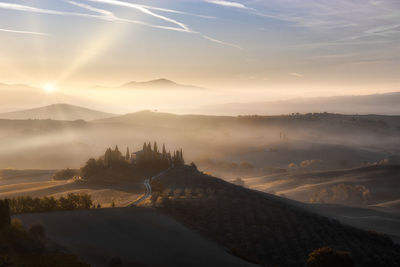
161 83
152 83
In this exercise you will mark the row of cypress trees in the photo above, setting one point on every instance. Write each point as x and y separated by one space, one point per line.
148 154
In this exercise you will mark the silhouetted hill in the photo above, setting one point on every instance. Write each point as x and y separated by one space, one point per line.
57 112
139 237
362 104
261 227
158 84
20 96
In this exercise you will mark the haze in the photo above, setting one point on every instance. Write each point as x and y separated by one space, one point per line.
240 51
200 133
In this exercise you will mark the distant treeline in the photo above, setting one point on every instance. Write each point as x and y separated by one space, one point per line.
70 202
113 166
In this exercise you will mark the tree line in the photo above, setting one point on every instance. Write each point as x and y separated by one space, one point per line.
114 166
27 204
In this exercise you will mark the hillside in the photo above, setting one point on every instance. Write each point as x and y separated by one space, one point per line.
256 139
20 96
57 112
261 227
139 237
371 186
363 104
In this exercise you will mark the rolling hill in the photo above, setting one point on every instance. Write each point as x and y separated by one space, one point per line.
139 237
199 220
20 96
63 112
263 228
385 104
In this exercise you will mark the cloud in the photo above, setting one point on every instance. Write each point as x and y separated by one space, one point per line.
109 16
299 75
145 10
227 4
29 9
23 32
96 10
221 42
102 14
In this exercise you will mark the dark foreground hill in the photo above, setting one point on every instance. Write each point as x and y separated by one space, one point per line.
137 236
260 227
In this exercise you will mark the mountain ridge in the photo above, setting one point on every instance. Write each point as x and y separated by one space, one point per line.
60 111
160 84
382 104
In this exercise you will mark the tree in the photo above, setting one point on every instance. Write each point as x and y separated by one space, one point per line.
108 157
327 257
116 155
181 157
115 262
5 218
36 231
90 168
155 150
144 147
128 155
164 152
65 174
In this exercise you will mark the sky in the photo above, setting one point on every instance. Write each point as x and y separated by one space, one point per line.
278 47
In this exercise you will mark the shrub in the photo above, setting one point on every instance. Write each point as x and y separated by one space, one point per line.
327 257
115 262
65 174
4 214
36 231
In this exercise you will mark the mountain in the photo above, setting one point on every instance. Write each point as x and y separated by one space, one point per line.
20 96
158 84
57 112
385 104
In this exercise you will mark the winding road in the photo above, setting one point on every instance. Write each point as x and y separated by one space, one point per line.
148 189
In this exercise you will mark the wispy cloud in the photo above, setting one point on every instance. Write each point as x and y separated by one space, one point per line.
299 75
145 10
221 42
29 9
109 16
227 4
23 32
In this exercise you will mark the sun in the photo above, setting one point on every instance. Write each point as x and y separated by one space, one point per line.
49 88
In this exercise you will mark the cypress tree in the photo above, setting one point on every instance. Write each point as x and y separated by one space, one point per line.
128 155
164 152
169 157
181 157
5 218
144 147
107 156
155 147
